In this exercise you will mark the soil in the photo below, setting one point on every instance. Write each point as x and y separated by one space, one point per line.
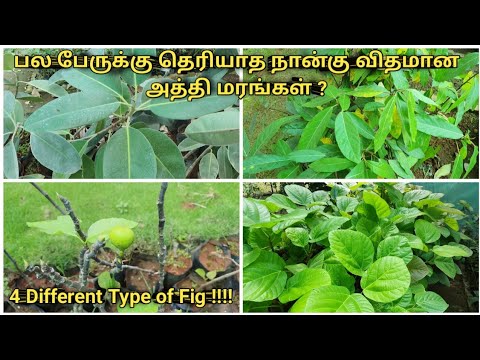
214 256
136 280
455 295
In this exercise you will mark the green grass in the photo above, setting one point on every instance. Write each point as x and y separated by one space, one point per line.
215 214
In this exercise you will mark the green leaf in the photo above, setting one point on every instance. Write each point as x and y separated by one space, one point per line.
139 308
386 280
182 109
399 80
296 268
419 96
188 144
348 139
465 64
71 111
426 231
99 162
170 163
344 101
395 245
298 194
417 268
254 213
415 195
449 251
332 299
102 228
303 282
330 165
458 164
381 207
129 155
10 161
225 169
208 167
305 156
281 201
258 163
264 279
55 153
325 226
382 169
315 129
353 249
358 172
89 82
270 131
431 302
340 276
346 204
298 236
395 165
234 156
437 126
105 281
61 225
368 91
412 120
51 88
384 124
472 162
215 129
250 257
446 265
362 127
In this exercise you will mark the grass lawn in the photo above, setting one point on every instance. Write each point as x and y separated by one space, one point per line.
192 210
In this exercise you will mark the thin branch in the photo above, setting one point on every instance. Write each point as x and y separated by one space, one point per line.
72 215
48 198
88 255
47 272
190 153
162 248
22 274
220 278
131 267
197 160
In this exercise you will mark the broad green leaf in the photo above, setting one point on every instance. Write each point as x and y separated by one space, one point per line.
170 163
329 165
412 120
303 282
258 163
431 302
234 156
208 167
452 223
129 155
270 131
55 153
346 204
437 126
419 96
291 172
225 169
250 256
215 129
457 169
353 249
347 138
182 109
382 169
381 207
254 213
368 91
417 268
51 88
102 228
105 281
139 308
71 111
359 171
89 82
315 129
325 226
362 127
259 238
344 101
332 299
265 278
395 245
61 225
395 165
298 236
281 201
305 156
298 194
296 268
399 80
384 124
188 144
426 231
386 280
10 161
340 276
415 195
446 265
449 251
131 77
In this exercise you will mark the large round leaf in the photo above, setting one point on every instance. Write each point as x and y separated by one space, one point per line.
129 155
215 129
55 153
254 213
303 282
170 164
299 194
332 298
395 246
381 207
431 302
298 236
387 279
264 279
353 249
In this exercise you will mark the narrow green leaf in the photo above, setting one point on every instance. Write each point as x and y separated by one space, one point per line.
208 168
87 81
382 169
305 156
385 124
315 129
329 165
225 169
412 120
10 161
472 162
362 127
437 126
51 88
419 96
234 156
347 138
259 163
368 91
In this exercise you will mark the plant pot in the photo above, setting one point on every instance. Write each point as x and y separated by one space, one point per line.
177 268
213 256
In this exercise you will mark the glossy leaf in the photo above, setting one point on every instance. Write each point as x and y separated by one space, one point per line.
215 129
302 282
315 129
353 249
347 138
384 124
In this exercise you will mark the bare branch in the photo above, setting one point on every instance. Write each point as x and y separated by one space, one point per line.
162 251
48 198
72 215
47 272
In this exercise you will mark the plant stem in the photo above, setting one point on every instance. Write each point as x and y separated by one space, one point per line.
74 218
197 160
48 198
47 272
162 251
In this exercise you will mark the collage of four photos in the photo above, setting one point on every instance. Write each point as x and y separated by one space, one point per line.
194 180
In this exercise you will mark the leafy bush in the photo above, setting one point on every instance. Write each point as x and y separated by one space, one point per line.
104 126
356 248
373 125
